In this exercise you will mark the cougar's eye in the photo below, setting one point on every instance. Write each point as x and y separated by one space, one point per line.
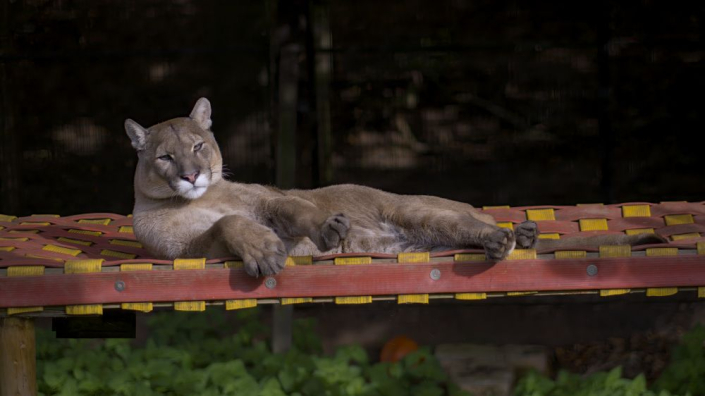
166 157
198 147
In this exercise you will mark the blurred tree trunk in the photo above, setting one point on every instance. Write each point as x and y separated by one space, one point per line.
323 63
604 99
9 164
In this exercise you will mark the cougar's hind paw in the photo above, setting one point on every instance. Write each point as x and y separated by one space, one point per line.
499 244
334 230
527 234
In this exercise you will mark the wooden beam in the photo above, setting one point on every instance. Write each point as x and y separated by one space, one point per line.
358 280
18 365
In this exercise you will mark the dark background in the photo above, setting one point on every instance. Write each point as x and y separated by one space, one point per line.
488 102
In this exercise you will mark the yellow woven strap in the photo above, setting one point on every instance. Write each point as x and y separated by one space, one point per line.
496 207
23 231
7 248
7 218
242 303
663 251
680 237
43 257
593 224
86 232
615 251
354 300
570 254
540 214
459 257
234 264
292 261
62 250
190 264
412 299
520 293
26 270
29 270
701 247
613 292
190 306
661 291
638 231
411 258
407 258
120 255
353 261
636 211
74 241
701 292
122 242
470 296
141 306
297 300
679 219
552 235
84 267
522 254
23 239
95 221
505 224
126 229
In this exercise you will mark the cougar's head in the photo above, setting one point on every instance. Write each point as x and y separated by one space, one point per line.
178 157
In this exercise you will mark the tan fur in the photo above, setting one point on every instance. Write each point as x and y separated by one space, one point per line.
183 208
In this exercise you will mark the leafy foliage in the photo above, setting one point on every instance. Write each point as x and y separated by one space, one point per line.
685 375
597 384
189 354
686 372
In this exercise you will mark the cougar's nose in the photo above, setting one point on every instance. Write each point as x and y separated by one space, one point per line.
191 178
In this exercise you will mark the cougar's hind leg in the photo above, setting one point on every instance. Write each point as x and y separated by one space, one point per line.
432 222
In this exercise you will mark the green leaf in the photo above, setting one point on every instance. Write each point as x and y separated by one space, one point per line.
271 387
427 388
352 353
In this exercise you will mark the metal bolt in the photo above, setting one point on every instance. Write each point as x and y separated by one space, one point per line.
119 285
270 283
435 274
592 270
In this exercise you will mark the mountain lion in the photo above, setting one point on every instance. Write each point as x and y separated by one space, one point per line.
184 208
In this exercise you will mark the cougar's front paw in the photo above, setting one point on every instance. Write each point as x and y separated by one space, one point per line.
334 230
499 244
265 257
527 234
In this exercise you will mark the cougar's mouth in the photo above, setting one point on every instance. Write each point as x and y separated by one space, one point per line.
193 190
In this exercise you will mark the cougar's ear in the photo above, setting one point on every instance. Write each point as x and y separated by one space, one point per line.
137 134
201 113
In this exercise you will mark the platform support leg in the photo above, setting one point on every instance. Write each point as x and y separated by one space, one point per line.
282 328
18 361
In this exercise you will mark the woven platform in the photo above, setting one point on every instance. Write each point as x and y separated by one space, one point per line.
77 265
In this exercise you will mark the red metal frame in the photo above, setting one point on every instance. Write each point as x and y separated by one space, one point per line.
355 280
